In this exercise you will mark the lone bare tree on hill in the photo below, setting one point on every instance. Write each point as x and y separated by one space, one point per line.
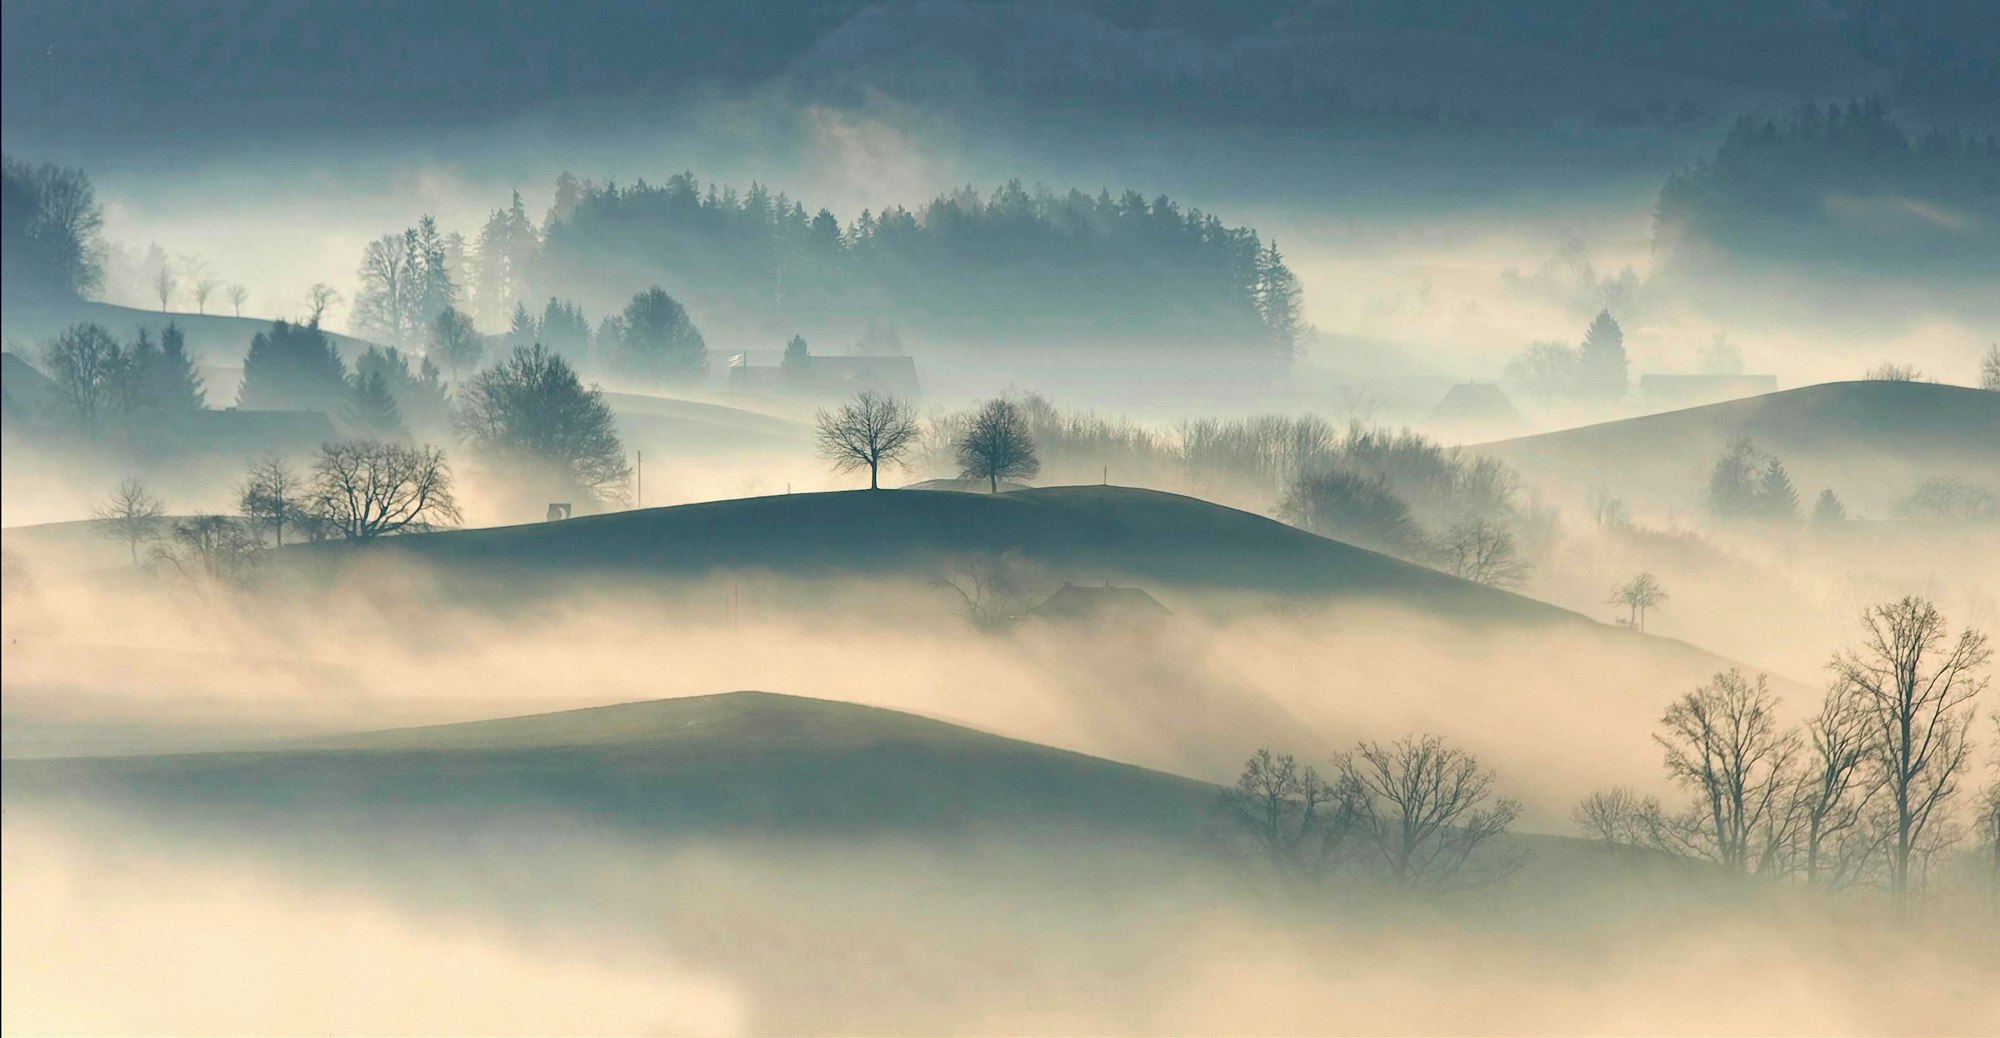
364 489
1638 595
1426 809
132 514
1917 685
867 433
238 295
320 296
996 445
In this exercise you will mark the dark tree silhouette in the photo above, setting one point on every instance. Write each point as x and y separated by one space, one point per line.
363 489
455 342
1342 504
1425 810
49 232
272 496
293 367
657 339
995 445
531 410
1917 685
1297 821
1601 365
867 433
133 515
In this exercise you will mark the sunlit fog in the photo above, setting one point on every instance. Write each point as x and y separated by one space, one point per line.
1000 518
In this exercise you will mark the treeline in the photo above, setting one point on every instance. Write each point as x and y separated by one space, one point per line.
50 233
1015 263
1840 185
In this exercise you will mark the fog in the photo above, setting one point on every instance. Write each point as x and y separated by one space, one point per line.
1451 400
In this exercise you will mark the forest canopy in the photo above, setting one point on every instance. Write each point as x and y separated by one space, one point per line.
1015 264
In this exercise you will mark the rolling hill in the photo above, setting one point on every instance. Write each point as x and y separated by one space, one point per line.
1869 441
734 762
1081 533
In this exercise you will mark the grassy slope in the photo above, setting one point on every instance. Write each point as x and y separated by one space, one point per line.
1845 433
742 761
1083 533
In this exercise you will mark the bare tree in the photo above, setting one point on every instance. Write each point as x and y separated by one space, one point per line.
1297 820
238 295
1638 595
1989 368
1837 784
1614 816
1425 810
1893 372
1988 826
164 284
90 367
454 339
318 298
993 589
364 489
133 515
202 281
1723 744
209 549
996 445
1917 685
867 433
1481 551
273 496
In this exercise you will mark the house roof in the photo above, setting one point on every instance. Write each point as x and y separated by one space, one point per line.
1074 602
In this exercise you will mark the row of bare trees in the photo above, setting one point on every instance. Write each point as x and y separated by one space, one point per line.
356 490
1417 814
1862 793
991 444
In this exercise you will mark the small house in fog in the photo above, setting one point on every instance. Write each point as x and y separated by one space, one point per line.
1475 410
1092 604
1672 392
826 378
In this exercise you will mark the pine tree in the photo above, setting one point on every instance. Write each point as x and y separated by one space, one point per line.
165 377
371 407
292 367
1602 368
1278 298
1776 497
1828 511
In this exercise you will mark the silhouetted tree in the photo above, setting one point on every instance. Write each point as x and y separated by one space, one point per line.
1546 371
1989 368
1828 511
1638 595
209 549
318 298
1777 499
1837 785
50 224
1349 506
371 408
89 368
531 410
1298 822
658 340
1892 372
164 383
164 283
1724 745
1601 363
292 367
419 398
133 515
1946 499
1425 810
272 496
795 353
455 341
995 445
871 431
238 295
1917 685
1481 551
1279 299
363 489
